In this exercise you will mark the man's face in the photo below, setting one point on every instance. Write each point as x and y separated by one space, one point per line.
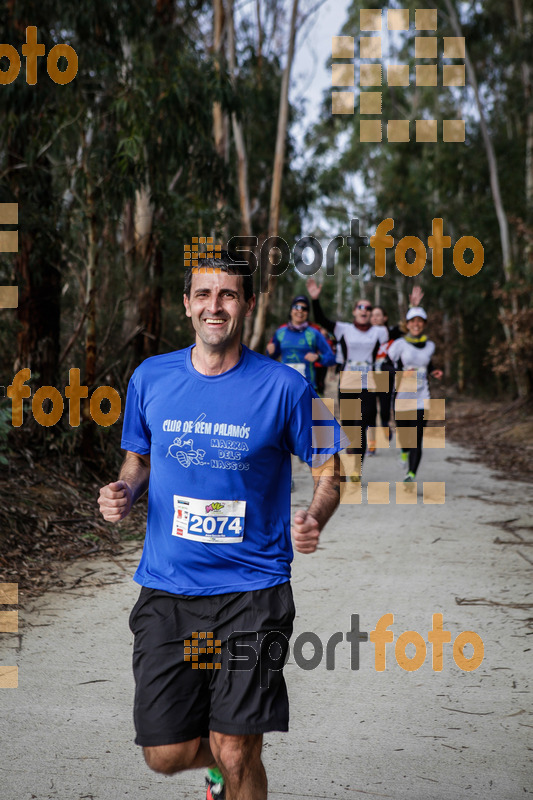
217 308
361 312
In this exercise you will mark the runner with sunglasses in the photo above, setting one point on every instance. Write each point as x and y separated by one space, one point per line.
299 344
362 341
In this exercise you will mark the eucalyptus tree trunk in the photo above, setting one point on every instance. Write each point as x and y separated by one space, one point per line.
219 122
267 281
240 147
524 23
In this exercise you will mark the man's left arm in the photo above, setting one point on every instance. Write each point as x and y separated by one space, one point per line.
326 496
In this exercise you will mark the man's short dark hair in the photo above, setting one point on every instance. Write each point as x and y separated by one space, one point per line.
227 262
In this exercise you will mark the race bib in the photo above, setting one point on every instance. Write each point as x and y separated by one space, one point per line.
209 521
358 366
298 367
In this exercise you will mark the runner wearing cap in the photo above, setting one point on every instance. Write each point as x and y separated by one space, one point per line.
299 344
209 430
412 354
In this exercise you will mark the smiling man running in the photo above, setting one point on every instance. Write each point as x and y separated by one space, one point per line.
211 428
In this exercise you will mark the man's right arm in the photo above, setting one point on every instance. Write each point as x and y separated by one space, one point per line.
116 499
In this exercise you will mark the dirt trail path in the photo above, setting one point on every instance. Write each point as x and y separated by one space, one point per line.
67 730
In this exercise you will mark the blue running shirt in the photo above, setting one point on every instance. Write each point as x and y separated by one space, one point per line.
292 346
219 493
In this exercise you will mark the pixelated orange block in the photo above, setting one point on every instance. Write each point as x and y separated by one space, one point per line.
426 74
378 381
454 47
9 621
370 130
9 241
398 130
9 677
426 130
350 408
426 19
9 296
353 432
453 130
343 47
435 437
426 47
453 75
405 409
370 47
321 469
434 409
370 102
406 494
9 214
406 438
370 19
405 380
434 492
370 75
377 493
323 436
342 75
398 19
9 593
342 102
350 464
398 75
380 437
351 380
323 408
351 493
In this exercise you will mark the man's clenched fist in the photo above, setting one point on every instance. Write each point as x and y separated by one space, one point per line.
305 532
115 501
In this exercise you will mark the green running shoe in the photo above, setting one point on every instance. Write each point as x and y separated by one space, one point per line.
214 785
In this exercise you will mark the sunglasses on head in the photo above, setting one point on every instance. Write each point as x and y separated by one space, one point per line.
363 307
300 307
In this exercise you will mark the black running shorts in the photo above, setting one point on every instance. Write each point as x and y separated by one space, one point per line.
210 663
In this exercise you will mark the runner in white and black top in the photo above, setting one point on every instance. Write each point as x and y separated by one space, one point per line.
414 352
362 341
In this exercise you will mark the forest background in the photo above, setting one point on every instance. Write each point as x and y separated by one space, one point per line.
179 124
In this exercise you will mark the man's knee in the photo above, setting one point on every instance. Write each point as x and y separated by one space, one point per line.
235 754
171 758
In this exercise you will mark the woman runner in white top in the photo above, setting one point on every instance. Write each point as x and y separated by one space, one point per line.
414 352
361 343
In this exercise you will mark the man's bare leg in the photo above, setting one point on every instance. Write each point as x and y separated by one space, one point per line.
239 760
172 758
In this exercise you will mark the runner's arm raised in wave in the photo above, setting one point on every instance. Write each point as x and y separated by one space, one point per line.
116 499
314 291
326 496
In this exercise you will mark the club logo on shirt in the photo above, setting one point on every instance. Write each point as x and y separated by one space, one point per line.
185 453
